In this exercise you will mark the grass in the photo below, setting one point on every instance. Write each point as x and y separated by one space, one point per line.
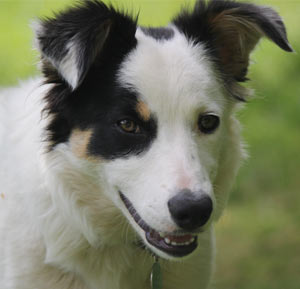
258 237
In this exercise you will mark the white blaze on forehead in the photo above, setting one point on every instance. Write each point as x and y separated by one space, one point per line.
173 76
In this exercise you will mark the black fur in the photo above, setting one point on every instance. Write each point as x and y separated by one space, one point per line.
159 33
109 140
98 102
91 26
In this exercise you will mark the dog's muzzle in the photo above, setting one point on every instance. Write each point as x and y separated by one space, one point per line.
175 245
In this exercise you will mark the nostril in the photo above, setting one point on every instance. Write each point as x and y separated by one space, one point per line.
190 211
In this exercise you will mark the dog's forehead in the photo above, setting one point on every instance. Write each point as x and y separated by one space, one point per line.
172 72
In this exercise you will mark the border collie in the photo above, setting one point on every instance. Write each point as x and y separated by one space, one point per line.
116 164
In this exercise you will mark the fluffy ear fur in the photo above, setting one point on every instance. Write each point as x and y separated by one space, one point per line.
231 30
72 41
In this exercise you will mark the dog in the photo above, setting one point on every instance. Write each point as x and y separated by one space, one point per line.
117 162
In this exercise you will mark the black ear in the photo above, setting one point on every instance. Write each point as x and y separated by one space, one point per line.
231 30
72 41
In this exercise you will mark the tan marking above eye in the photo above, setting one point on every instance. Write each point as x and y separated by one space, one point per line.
143 110
79 142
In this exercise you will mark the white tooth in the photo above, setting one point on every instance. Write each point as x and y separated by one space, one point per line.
173 243
186 243
167 241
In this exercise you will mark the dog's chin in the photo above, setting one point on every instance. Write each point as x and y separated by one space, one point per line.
167 246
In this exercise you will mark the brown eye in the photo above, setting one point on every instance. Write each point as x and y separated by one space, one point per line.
208 123
129 126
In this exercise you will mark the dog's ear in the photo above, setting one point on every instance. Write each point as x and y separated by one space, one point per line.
71 42
231 30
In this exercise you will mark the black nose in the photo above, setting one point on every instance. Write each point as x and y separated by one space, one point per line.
190 211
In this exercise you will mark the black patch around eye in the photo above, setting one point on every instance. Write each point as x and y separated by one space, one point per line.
110 142
98 104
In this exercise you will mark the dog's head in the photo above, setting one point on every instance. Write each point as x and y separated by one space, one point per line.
151 109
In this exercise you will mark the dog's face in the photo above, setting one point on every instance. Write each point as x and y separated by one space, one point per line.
152 109
163 180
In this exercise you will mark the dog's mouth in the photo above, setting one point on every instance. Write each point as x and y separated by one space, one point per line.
174 245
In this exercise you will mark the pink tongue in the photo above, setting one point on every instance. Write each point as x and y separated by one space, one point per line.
180 239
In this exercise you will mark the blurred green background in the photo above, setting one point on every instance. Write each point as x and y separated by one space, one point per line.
259 235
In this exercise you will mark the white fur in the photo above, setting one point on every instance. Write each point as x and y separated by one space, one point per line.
62 222
68 66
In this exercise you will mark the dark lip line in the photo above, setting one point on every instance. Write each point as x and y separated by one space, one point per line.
142 224
151 233
135 214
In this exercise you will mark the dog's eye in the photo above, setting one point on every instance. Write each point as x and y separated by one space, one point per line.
129 126
208 123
